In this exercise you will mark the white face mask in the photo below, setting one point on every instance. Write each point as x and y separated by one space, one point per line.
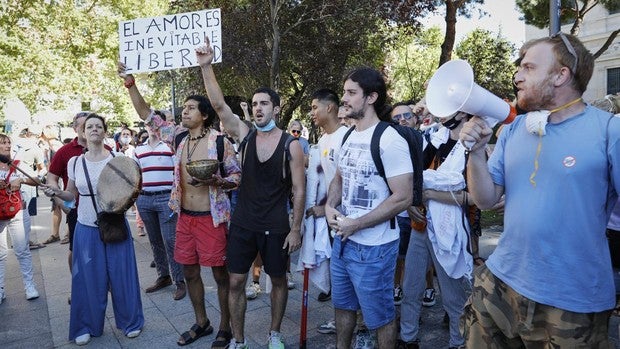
125 140
535 122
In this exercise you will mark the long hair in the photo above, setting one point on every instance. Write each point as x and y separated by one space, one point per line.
205 108
371 80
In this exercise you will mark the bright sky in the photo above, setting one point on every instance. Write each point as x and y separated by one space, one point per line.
502 16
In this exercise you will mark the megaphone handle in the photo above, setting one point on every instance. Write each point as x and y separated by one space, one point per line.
489 121
468 144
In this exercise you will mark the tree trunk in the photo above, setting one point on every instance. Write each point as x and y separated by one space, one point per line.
448 42
274 69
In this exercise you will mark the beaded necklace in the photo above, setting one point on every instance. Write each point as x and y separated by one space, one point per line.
197 139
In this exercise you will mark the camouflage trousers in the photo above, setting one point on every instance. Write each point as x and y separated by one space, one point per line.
496 316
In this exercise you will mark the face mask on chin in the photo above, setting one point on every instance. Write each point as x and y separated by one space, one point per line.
125 140
452 123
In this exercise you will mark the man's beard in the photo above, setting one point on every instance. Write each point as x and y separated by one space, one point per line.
356 115
539 98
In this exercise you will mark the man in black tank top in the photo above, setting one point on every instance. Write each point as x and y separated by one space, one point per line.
272 172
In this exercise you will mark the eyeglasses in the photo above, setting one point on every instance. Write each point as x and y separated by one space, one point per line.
570 49
296 131
406 116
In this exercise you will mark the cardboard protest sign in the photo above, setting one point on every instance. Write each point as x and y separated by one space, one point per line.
168 42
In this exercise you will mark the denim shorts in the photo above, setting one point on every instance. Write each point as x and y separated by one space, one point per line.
363 278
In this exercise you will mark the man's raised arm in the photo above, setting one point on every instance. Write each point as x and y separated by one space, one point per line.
235 127
139 104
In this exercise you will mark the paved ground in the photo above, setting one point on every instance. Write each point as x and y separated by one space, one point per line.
44 322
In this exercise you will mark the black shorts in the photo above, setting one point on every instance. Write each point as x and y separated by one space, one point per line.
72 222
243 245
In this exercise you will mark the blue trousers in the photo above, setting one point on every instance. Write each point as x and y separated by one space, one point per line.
160 226
97 268
454 292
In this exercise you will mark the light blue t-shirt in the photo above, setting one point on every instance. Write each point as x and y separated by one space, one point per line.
553 249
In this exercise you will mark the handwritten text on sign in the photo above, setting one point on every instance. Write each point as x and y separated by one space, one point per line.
168 42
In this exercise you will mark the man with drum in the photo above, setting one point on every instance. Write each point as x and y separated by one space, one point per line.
273 169
204 211
155 158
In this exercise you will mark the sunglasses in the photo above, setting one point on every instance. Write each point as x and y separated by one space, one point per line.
570 49
296 131
406 116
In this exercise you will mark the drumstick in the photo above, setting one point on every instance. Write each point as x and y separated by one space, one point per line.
5 159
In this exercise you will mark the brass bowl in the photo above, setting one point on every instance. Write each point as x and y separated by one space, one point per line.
202 169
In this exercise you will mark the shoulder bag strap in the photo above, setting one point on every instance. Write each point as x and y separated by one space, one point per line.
90 186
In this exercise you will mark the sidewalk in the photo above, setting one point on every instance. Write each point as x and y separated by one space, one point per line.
44 322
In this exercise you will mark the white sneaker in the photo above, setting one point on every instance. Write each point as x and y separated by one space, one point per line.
328 328
31 292
252 291
83 339
234 345
133 334
429 297
275 340
290 281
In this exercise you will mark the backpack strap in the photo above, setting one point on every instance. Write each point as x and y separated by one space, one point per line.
347 134
243 145
179 138
286 157
219 144
375 152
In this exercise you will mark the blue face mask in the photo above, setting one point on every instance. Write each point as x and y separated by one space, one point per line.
270 126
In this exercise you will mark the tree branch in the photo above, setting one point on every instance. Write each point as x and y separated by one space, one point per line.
607 43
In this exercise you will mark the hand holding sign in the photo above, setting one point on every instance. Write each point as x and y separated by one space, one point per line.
204 53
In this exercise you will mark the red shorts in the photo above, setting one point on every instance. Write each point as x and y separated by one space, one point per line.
198 242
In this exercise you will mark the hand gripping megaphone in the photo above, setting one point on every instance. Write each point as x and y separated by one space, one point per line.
452 89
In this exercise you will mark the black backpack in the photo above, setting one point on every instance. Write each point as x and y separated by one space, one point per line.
219 144
414 140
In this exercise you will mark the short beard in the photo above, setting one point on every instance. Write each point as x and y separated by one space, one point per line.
356 115
539 100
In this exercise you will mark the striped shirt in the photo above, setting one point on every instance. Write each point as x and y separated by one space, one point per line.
156 165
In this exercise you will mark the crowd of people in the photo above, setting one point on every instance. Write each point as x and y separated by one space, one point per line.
370 246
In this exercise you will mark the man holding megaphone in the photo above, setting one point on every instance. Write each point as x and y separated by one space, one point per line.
549 281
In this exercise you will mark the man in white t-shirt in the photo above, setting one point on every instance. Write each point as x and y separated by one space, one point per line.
359 207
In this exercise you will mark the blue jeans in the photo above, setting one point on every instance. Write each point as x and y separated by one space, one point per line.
363 278
160 225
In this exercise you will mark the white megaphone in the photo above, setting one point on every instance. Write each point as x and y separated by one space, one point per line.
452 89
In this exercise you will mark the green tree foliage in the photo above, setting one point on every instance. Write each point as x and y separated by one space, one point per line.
59 54
490 58
536 13
412 61
297 47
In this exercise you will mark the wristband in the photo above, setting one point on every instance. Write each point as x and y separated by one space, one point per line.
130 83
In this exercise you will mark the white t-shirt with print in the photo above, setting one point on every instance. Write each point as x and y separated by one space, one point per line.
362 187
329 147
